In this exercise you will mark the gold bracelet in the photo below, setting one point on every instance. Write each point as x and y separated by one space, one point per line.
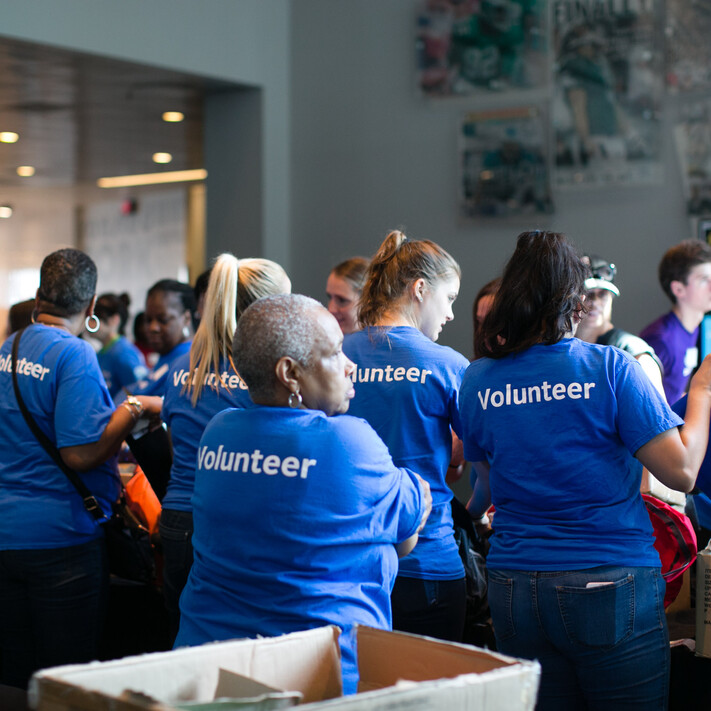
134 403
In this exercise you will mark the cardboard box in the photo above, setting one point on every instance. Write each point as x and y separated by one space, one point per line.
397 671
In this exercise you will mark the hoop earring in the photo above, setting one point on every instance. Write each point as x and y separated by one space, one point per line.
33 316
89 328
295 400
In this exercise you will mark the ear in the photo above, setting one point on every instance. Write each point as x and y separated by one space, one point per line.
418 289
677 288
287 373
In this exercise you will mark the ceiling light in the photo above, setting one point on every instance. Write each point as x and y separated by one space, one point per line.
8 137
173 116
5 211
26 171
175 176
162 157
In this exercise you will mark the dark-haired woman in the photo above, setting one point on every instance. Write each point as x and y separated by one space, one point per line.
53 572
483 302
343 289
406 387
169 322
558 430
120 361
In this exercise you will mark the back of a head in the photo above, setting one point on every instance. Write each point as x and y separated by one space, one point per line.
542 287
489 289
67 282
354 271
108 305
395 266
271 328
233 285
679 260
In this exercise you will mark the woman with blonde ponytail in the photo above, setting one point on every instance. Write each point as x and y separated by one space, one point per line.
406 387
201 384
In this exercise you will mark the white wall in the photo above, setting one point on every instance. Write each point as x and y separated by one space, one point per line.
369 155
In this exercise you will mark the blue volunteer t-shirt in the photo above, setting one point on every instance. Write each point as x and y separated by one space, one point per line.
154 383
406 387
187 423
121 364
295 518
559 425
62 386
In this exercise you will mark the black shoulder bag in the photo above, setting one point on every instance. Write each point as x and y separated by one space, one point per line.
128 542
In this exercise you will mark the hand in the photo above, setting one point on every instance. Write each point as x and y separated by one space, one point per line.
701 382
152 405
427 497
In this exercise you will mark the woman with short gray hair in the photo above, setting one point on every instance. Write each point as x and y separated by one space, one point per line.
299 517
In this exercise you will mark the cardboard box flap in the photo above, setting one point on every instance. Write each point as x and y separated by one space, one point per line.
503 689
384 658
308 662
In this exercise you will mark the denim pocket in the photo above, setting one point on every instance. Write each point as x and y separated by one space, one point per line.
501 605
601 616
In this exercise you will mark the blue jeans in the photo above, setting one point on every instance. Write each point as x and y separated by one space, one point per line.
435 608
176 535
601 647
52 608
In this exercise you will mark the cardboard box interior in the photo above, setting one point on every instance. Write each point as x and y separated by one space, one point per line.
394 667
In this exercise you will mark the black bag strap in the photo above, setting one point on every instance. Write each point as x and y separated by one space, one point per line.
90 502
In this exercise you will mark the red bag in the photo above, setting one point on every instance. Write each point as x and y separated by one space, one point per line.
675 541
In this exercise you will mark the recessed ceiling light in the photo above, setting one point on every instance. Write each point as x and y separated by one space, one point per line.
173 116
175 176
8 137
5 211
26 171
162 157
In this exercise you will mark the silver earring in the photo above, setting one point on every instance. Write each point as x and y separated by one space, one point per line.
89 328
419 298
186 331
295 400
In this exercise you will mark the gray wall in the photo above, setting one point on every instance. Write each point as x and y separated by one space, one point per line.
348 149
369 154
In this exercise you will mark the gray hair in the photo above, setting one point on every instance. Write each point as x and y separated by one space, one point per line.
271 328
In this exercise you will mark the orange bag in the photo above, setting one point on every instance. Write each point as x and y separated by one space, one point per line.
142 501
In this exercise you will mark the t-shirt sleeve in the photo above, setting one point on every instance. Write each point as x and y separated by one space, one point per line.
642 412
83 406
454 416
393 495
472 451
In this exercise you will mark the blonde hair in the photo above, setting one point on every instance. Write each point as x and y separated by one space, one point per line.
398 263
234 284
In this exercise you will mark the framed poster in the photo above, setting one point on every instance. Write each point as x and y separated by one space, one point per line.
688 52
465 47
607 92
692 137
504 172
